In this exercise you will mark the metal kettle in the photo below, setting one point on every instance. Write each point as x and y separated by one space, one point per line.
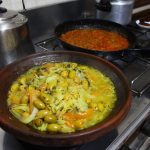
119 11
15 41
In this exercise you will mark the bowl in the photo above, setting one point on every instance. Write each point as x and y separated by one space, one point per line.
28 134
143 22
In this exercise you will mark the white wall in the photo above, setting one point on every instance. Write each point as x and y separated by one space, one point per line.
29 4
12 4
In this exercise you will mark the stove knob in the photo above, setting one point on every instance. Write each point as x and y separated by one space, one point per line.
146 127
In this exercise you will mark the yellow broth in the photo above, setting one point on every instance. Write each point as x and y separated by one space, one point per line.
61 97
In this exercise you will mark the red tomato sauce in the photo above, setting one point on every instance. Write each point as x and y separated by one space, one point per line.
95 39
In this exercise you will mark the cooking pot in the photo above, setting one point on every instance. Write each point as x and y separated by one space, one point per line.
32 136
119 11
14 36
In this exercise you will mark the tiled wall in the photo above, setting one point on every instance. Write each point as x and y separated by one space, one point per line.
29 4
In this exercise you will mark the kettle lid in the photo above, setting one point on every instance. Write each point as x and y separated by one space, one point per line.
10 19
6 15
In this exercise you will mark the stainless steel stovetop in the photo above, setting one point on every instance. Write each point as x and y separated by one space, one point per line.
136 67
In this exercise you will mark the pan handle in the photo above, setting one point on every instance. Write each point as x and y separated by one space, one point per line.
140 49
103 5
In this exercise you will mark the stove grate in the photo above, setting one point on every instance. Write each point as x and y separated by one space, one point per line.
136 65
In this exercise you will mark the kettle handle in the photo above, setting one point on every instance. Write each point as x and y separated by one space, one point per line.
104 5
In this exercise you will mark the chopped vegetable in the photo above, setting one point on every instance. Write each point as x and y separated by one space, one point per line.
18 111
61 97
95 39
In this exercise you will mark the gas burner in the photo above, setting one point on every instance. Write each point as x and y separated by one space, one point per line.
50 44
145 56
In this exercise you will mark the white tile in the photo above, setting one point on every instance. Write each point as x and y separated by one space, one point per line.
13 5
31 4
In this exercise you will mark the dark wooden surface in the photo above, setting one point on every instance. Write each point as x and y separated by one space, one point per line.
139 3
141 14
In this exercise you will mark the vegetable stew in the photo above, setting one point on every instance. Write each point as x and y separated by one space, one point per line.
61 97
95 39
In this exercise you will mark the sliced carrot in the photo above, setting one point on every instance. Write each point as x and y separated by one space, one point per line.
70 124
72 116
33 94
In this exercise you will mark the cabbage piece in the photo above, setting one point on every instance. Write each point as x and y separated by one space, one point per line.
38 81
51 78
43 127
17 109
81 105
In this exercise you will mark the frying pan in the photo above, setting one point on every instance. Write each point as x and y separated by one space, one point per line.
29 135
98 24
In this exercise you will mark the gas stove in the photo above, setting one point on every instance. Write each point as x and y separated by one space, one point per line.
136 66
132 133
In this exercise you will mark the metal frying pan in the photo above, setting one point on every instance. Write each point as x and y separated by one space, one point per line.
98 24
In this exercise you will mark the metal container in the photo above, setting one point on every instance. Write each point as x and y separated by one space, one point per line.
14 37
119 11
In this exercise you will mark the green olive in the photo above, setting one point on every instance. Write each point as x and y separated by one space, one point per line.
77 80
94 106
85 84
24 99
25 114
44 73
53 127
45 97
74 65
64 73
39 104
72 74
14 87
42 113
22 87
38 122
50 118
79 124
15 100
100 107
23 80
64 84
